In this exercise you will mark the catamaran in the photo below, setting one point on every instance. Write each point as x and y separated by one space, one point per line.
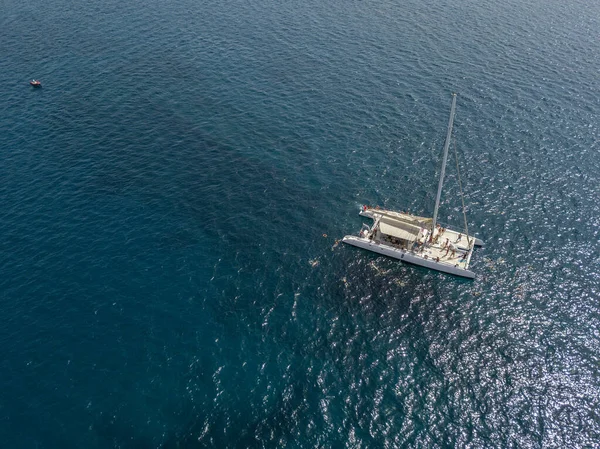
420 240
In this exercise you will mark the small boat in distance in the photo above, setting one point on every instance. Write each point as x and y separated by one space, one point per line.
419 240
35 83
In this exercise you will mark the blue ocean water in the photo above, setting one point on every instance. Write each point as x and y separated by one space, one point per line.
170 200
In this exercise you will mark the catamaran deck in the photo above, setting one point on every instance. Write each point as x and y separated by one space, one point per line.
447 246
375 212
409 238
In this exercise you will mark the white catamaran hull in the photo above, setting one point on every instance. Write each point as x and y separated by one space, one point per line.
406 256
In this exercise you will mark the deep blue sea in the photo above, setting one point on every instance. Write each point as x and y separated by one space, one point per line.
171 197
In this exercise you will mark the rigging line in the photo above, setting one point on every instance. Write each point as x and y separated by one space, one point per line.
462 198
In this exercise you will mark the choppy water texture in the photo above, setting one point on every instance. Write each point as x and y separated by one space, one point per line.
165 279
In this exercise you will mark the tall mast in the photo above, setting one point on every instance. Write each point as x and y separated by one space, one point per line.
446 146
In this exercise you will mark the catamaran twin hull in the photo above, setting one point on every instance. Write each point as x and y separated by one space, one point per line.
405 237
406 256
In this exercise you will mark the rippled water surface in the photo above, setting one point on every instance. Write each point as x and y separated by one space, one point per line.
171 196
